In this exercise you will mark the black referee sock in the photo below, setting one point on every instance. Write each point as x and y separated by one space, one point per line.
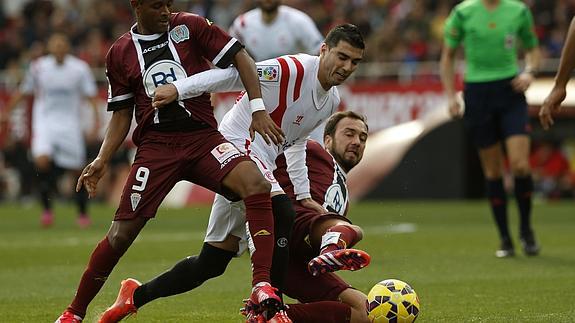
498 202
45 186
186 275
284 215
523 192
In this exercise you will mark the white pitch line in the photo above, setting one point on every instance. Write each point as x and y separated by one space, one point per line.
393 228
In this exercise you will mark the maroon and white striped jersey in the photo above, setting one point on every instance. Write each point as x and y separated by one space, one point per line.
137 64
328 180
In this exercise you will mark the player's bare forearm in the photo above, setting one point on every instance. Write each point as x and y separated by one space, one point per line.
248 74
447 70
567 62
116 132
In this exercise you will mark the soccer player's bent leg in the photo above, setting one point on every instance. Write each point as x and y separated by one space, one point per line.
335 237
102 261
247 181
186 275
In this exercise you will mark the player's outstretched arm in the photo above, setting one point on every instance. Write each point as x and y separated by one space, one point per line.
115 134
552 102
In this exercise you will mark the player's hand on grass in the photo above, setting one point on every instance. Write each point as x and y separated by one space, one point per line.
91 176
164 95
551 104
263 124
311 204
521 82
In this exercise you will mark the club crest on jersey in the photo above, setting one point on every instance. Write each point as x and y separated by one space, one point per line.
162 72
334 199
224 153
135 199
180 33
268 73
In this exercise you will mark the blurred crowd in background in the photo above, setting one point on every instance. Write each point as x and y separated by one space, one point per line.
396 30
403 31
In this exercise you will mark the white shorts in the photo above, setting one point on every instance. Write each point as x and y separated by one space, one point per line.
66 148
229 218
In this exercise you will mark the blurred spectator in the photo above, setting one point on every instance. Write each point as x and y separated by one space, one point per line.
551 173
59 83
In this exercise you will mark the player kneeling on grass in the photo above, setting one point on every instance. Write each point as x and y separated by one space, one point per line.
319 242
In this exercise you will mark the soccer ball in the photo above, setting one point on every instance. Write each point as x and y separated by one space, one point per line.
392 301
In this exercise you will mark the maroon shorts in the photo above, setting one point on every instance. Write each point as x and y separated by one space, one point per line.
300 284
203 157
304 287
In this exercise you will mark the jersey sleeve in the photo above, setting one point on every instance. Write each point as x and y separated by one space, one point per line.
309 35
527 29
120 96
210 81
453 30
297 169
218 46
88 84
30 79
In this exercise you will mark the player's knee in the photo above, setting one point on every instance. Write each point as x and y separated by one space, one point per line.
358 230
257 186
520 167
120 240
213 261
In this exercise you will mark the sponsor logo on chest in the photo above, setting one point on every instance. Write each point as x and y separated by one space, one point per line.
155 47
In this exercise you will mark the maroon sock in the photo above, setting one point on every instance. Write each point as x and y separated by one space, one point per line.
261 235
347 238
102 261
324 311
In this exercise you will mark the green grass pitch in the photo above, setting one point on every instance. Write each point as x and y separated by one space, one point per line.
443 249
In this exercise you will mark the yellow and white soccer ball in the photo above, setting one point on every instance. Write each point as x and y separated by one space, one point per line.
392 301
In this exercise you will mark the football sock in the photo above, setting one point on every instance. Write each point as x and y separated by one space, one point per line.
498 202
523 192
284 215
45 184
82 200
186 275
260 223
104 258
324 311
338 237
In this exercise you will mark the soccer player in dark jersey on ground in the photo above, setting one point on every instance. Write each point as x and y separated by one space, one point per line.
495 105
178 142
326 297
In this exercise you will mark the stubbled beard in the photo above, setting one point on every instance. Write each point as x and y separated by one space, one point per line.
343 163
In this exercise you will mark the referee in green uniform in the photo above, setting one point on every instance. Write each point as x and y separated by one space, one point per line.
495 105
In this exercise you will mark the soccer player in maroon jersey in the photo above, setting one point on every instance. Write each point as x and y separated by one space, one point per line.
178 142
325 297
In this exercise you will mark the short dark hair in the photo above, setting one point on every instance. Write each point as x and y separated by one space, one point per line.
346 32
332 122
